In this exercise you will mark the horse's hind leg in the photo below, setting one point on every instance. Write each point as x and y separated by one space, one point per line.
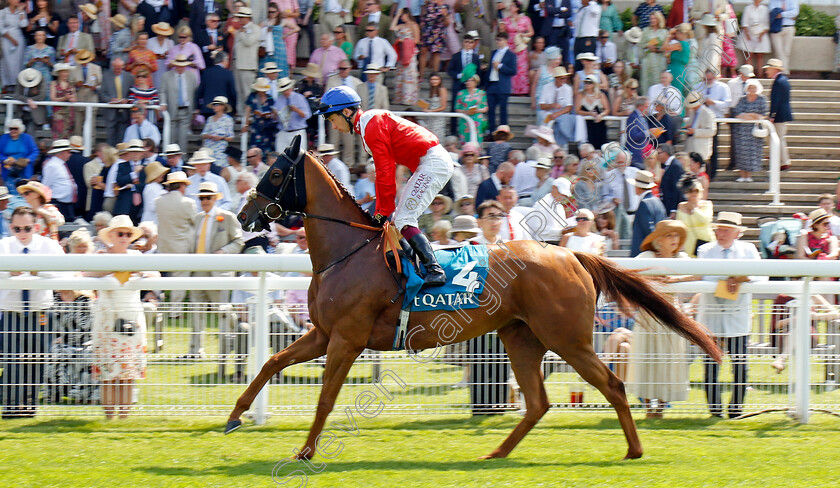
525 352
313 344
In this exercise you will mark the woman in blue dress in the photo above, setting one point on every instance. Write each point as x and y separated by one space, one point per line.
40 55
273 42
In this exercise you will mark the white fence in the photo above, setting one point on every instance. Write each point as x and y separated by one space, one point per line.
242 331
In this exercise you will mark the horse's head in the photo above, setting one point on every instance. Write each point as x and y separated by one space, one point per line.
282 189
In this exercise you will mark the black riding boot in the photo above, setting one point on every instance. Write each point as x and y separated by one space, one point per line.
423 248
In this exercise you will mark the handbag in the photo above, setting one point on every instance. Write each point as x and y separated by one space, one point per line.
760 132
125 327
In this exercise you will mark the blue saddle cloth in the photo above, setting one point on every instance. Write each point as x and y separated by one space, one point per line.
466 273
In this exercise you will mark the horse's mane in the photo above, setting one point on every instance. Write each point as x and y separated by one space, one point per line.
345 192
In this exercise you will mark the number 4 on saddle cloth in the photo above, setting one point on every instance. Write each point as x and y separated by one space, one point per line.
466 272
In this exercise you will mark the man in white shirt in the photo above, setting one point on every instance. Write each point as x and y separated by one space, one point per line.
365 190
336 166
728 319
141 128
718 98
56 175
606 52
556 103
783 40
587 22
373 49
22 319
551 214
666 94
524 175
618 190
201 161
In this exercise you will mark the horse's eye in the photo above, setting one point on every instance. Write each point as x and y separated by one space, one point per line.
276 177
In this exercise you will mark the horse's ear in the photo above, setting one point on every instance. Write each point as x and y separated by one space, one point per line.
294 152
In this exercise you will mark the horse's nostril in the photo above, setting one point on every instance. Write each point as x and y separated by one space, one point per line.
242 217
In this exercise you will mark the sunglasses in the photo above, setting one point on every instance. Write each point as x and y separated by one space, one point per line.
206 198
582 219
183 37
18 230
370 30
338 32
560 157
14 128
437 203
123 234
343 69
27 192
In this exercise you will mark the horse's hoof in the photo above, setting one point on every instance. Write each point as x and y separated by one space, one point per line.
491 456
232 425
633 455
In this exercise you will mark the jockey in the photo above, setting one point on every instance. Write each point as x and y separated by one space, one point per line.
389 138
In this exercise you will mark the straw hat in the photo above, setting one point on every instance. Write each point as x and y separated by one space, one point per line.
270 67
261 85
84 56
312 70
694 99
818 216
37 187
447 202
59 67
586 57
4 193
774 63
326 150
504 129
59 145
643 179
177 177
154 170
591 79
542 163
119 21
244 12
134 145
19 124
729 219
664 227
202 156
709 20
30 77
220 100
633 35
77 143
163 29
180 60
747 70
90 9
209 188
285 83
542 132
172 149
466 224
373 69
120 222
559 72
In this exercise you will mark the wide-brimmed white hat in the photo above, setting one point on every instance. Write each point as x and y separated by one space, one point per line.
19 124
447 202
221 100
774 63
754 82
709 20
29 77
542 132
180 60
59 145
541 163
270 67
633 35
729 219
172 149
133 145
209 188
120 222
373 69
644 179
285 83
586 57
177 177
59 67
201 156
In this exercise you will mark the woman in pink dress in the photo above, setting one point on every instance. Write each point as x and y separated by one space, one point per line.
290 9
516 23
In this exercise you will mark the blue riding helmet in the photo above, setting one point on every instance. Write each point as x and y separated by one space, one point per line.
337 99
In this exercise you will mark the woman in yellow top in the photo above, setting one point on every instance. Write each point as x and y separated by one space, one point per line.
697 216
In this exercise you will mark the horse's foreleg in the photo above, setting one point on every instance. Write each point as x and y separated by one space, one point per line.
525 352
313 344
340 358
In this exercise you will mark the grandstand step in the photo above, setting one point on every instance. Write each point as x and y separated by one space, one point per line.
820 106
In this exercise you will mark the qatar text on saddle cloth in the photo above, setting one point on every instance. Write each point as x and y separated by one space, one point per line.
466 272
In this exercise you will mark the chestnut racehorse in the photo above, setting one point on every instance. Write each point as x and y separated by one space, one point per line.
544 298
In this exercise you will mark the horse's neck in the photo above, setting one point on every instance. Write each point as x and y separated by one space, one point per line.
330 241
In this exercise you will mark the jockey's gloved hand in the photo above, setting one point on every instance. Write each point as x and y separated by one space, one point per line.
379 220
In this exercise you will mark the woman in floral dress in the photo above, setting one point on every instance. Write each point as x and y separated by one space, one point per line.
438 102
473 102
218 131
40 55
61 90
653 60
407 33
516 23
434 18
260 117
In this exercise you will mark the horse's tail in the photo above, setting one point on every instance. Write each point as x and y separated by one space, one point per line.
629 288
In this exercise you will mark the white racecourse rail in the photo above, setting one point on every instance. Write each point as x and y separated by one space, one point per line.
242 330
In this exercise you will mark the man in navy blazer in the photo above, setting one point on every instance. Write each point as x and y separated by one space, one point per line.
650 210
669 190
780 111
472 53
638 135
217 80
489 188
555 27
499 73
211 36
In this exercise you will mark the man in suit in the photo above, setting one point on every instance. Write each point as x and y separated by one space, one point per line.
176 96
32 87
373 16
87 78
639 142
216 80
556 27
345 141
701 128
245 63
780 111
74 41
201 161
650 210
501 70
175 222
669 190
116 84
372 87
216 232
489 188
123 176
211 39
478 15
76 164
471 53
